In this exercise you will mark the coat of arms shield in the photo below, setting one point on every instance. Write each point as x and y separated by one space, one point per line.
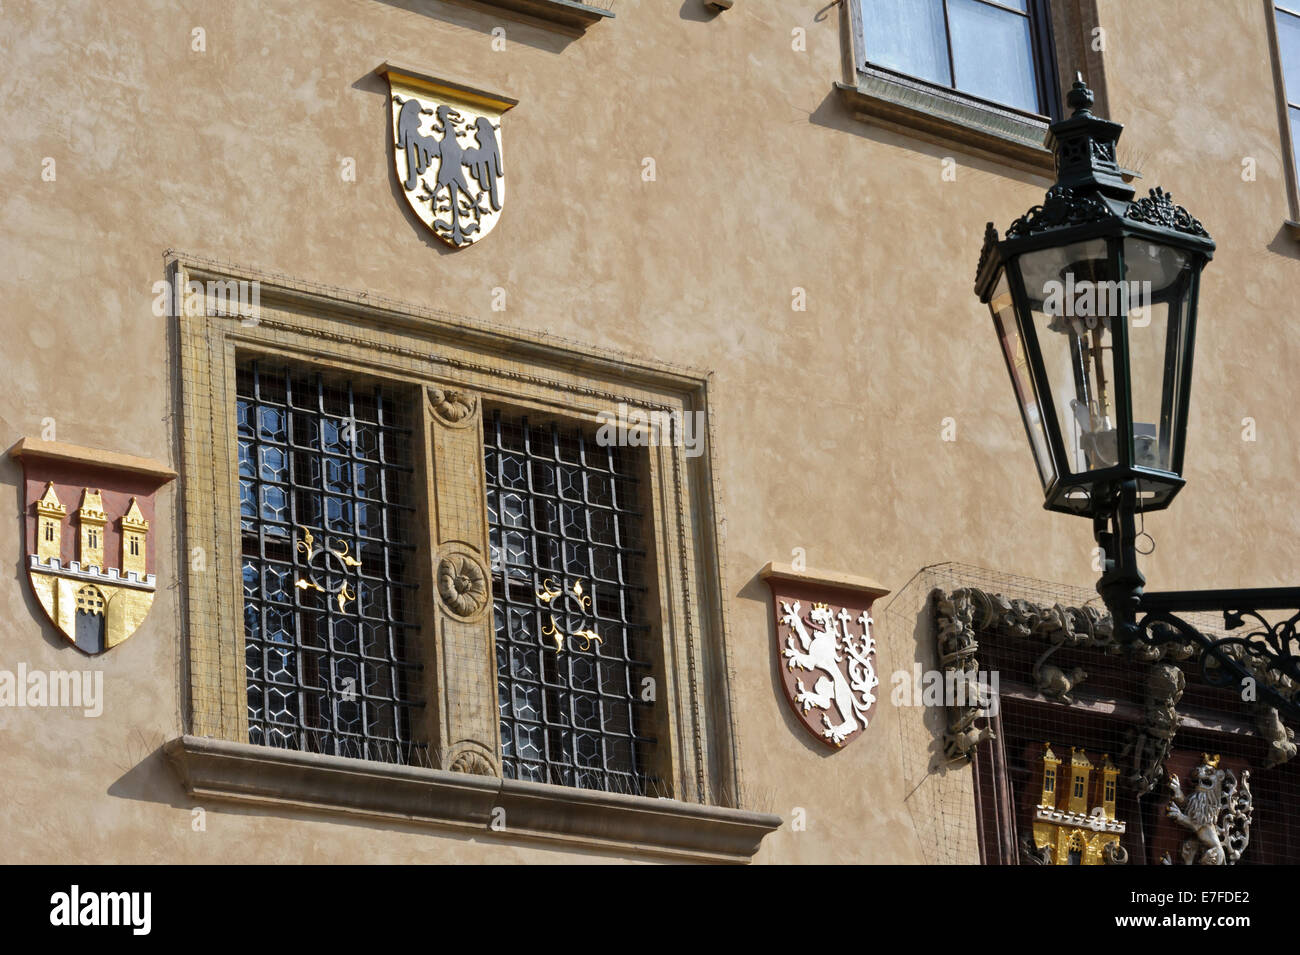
826 654
447 153
89 553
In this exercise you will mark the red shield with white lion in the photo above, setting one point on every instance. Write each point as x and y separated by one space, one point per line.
826 650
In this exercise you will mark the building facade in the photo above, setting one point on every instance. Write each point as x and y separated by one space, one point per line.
512 431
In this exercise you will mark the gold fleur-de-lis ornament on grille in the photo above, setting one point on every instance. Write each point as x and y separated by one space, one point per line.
547 595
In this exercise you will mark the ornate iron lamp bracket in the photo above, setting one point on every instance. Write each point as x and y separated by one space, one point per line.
1261 663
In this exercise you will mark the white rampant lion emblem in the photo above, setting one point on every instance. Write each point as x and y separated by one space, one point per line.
824 649
1218 812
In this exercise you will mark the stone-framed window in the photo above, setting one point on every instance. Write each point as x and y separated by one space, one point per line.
997 52
983 75
456 375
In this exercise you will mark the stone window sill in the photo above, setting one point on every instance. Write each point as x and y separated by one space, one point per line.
1292 228
947 117
261 775
563 16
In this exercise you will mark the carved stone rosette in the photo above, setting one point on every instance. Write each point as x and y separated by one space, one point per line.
462 584
473 762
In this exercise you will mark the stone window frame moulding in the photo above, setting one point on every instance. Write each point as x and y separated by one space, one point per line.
437 352
949 117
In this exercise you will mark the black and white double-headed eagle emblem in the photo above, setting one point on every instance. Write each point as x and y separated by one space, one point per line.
447 155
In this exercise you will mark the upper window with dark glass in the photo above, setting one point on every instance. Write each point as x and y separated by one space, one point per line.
995 50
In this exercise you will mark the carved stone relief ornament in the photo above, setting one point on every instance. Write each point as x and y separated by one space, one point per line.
453 406
91 535
466 724
954 616
472 762
462 584
963 613
447 153
825 650
1216 812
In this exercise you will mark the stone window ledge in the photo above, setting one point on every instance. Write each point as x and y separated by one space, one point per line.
563 16
265 776
951 119
1292 228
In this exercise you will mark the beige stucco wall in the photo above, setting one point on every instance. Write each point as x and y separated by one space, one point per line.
828 421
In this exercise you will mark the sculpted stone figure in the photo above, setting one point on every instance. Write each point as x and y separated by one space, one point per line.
1217 812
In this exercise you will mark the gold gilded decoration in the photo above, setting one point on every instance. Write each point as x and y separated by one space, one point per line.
1074 821
547 595
447 154
307 547
49 523
90 517
92 578
135 530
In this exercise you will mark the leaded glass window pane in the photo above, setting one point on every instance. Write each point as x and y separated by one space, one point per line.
572 641
330 627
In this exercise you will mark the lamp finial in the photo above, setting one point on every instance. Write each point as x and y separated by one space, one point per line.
1079 98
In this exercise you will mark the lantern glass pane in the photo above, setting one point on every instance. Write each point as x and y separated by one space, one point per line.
1073 299
1013 349
1159 282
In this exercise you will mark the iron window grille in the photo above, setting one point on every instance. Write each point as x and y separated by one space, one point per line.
332 655
572 642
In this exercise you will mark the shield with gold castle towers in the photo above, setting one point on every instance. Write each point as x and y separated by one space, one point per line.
89 528
447 153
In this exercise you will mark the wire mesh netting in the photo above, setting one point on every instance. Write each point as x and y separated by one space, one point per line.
569 598
1034 736
331 633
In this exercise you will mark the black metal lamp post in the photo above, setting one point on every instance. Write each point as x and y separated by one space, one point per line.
1093 296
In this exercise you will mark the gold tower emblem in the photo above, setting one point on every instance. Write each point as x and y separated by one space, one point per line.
88 523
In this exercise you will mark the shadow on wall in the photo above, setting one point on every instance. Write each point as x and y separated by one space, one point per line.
1286 242
940 796
485 20
831 113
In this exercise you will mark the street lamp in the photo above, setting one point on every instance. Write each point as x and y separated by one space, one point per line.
1093 296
